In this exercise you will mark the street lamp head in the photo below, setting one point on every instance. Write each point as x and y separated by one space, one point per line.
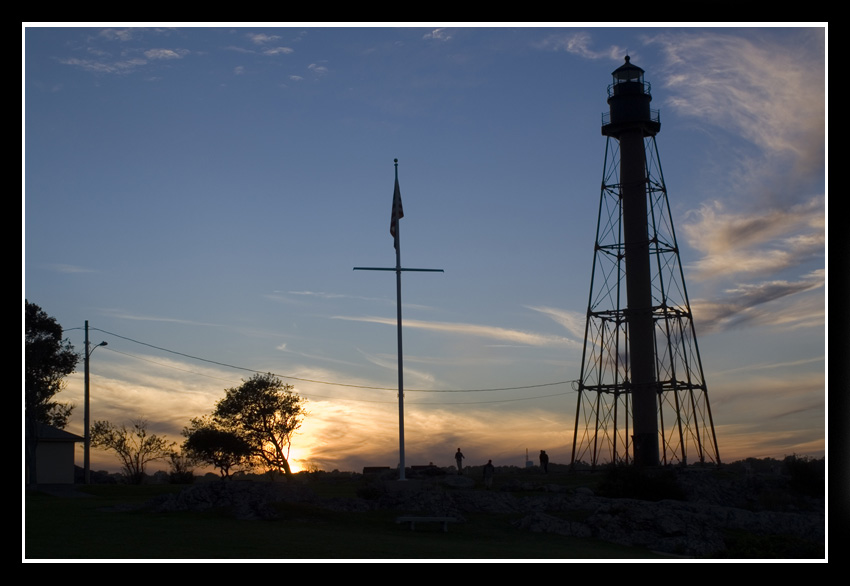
90 352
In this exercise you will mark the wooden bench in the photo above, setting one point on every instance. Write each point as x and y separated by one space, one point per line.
414 520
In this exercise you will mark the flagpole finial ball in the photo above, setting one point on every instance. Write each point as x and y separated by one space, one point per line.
395 160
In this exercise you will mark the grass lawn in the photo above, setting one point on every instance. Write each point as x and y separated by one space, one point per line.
105 525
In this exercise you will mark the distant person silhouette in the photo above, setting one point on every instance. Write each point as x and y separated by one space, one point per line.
489 471
459 460
544 461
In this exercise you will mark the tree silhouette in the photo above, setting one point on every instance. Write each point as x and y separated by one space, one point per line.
209 443
48 360
265 413
134 446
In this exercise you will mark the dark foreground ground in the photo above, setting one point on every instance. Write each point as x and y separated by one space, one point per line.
732 512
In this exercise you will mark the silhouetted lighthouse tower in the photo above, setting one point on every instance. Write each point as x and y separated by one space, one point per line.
641 395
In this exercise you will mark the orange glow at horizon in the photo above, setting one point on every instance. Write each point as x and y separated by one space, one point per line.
346 435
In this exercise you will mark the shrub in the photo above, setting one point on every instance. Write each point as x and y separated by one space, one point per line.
181 469
807 474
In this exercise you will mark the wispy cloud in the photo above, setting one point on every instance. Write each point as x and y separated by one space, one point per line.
111 67
772 224
118 314
102 57
320 294
756 242
262 38
480 331
166 53
579 43
342 296
750 368
573 321
317 69
113 34
772 94
411 374
237 49
775 303
278 51
438 34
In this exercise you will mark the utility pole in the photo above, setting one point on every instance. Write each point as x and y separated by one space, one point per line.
87 411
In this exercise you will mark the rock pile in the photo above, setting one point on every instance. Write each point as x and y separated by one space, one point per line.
698 526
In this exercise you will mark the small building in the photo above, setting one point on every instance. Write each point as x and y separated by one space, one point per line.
49 454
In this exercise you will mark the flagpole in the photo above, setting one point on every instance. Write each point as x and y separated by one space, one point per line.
397 214
398 317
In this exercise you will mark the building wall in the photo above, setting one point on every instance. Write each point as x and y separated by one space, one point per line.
55 462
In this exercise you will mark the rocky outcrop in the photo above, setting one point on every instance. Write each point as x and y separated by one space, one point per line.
699 526
683 528
676 527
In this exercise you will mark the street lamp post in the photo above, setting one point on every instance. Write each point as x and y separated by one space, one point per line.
87 411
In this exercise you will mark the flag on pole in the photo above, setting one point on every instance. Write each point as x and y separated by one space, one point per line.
398 213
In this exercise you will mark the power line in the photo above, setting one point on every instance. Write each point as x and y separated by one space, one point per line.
195 372
226 365
313 394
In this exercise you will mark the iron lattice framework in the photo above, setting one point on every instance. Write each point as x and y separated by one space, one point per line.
603 412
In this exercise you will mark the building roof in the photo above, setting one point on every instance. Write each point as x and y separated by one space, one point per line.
48 433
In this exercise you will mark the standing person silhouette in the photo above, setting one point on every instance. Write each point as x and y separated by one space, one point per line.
459 460
544 461
489 471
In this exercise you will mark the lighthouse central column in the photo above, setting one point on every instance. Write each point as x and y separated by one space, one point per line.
639 297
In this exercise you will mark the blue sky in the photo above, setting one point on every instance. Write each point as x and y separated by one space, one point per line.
205 192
